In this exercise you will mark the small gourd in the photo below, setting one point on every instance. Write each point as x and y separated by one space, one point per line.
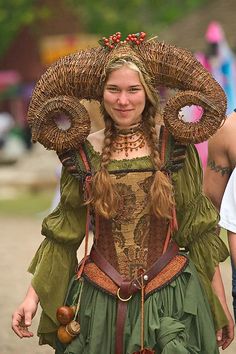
73 328
67 333
65 314
63 336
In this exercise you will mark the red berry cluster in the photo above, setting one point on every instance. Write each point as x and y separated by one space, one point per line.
136 38
113 40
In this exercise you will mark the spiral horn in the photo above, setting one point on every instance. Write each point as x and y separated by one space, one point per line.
177 68
59 91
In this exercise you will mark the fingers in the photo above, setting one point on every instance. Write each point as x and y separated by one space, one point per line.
28 318
22 317
228 336
225 336
16 320
25 331
219 337
226 343
20 325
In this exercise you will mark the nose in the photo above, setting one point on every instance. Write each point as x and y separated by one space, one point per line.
123 98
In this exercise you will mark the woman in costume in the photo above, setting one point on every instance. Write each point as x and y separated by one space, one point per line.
151 282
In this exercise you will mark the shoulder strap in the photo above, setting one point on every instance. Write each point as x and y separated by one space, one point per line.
172 153
172 157
70 162
67 159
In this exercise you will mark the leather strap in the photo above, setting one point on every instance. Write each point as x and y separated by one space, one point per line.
121 316
126 287
147 276
105 266
87 188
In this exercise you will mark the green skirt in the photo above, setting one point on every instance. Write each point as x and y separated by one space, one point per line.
177 320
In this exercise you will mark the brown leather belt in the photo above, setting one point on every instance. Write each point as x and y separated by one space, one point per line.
129 287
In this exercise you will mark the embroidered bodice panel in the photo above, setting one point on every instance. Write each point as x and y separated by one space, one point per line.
134 238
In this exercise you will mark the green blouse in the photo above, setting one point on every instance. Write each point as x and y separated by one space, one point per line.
55 261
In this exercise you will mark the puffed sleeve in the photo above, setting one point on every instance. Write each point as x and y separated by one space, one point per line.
197 221
55 261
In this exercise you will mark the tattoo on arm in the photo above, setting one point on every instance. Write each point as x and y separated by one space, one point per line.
218 168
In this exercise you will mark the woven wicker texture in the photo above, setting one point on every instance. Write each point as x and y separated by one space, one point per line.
80 76
47 130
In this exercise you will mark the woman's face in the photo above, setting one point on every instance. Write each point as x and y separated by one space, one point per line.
124 97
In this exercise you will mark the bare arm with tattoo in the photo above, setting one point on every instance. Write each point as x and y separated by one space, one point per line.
221 160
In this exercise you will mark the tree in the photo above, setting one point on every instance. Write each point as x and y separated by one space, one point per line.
104 17
13 15
96 16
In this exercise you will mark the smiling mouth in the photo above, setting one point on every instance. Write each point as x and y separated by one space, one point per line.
123 110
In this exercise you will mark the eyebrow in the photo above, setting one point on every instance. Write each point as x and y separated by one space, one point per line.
133 86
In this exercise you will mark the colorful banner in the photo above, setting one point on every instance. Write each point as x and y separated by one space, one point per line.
54 47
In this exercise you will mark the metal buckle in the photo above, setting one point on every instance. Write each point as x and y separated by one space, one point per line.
120 298
183 250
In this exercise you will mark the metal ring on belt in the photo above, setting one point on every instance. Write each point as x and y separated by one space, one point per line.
122 299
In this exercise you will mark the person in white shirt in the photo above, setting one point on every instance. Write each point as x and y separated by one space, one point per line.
228 217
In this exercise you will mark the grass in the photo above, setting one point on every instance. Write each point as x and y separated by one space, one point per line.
27 204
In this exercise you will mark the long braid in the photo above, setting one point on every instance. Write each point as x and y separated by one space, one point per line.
104 196
108 137
161 191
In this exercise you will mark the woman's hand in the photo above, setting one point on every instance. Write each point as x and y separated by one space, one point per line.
22 317
225 335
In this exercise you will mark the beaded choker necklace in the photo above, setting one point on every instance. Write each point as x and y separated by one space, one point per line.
128 139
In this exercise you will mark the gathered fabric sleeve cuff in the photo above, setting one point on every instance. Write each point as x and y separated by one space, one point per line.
198 220
198 232
55 261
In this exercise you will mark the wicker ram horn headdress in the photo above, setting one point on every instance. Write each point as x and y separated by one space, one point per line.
81 76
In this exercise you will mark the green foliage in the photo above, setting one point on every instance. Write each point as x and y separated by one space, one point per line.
102 17
13 15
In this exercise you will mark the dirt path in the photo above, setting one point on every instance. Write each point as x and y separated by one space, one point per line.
20 238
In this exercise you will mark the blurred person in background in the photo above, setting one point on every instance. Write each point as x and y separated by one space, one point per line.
221 163
6 124
11 143
228 222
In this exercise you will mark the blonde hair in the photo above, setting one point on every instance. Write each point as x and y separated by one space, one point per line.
104 196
